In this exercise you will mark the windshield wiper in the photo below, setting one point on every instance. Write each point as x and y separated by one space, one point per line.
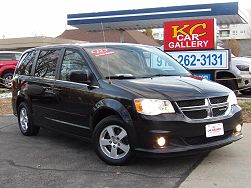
156 75
120 77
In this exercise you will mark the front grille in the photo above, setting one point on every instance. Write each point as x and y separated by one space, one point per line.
219 111
187 103
196 114
204 140
204 108
217 100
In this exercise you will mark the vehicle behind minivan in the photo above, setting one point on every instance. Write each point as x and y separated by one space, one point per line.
8 62
114 96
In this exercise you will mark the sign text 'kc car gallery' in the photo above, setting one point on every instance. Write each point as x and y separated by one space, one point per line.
189 35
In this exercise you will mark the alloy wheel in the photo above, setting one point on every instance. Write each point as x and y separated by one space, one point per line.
23 116
7 81
113 142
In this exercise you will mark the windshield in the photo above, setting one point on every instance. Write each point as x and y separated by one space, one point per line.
134 62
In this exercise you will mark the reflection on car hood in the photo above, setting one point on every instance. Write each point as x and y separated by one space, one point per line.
173 87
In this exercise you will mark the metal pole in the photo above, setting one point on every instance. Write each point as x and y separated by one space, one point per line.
122 34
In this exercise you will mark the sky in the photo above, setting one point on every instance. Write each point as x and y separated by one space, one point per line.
25 18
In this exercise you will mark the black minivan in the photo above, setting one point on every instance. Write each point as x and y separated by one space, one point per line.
114 96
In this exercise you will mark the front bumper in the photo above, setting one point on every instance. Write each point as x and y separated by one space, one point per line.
189 149
184 135
244 81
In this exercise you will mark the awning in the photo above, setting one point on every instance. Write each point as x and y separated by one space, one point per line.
225 13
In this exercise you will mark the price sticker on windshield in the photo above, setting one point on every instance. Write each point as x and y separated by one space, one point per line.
202 60
101 52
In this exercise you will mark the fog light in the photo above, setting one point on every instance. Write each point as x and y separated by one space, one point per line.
161 141
238 128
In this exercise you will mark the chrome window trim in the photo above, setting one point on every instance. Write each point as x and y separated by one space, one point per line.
82 84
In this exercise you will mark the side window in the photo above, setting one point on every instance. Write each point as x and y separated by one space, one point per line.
25 64
72 61
46 63
7 57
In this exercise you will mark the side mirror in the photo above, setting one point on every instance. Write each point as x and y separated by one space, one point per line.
80 76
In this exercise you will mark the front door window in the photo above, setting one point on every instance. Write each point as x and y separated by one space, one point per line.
72 61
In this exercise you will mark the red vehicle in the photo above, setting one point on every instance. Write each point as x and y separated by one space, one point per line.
8 62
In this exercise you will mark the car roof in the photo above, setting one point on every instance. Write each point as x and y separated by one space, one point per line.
90 45
9 52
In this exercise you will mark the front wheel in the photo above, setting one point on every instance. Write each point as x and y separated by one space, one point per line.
112 141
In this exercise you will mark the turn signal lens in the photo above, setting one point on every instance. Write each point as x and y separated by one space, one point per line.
138 106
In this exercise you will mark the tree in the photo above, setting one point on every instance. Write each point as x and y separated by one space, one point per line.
148 32
234 45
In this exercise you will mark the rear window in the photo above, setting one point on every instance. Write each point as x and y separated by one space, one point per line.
25 63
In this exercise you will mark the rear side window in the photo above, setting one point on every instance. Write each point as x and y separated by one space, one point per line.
25 64
46 63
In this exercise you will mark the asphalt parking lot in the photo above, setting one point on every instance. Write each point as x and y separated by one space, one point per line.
55 160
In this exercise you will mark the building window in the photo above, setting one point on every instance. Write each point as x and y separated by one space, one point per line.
224 34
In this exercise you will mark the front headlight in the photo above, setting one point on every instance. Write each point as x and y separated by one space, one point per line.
153 106
232 100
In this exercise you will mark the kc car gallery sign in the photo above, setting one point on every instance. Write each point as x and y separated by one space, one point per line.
189 35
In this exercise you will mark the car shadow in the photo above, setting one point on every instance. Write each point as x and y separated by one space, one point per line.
140 165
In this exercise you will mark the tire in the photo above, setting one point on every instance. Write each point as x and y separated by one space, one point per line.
7 78
115 149
246 92
25 121
231 84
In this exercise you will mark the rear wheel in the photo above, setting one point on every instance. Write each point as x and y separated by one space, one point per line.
7 79
112 141
25 121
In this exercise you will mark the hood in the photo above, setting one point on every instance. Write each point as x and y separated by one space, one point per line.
172 87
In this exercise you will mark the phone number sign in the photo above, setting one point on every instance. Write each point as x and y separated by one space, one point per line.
203 60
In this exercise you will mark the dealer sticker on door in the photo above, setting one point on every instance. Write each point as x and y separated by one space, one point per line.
215 129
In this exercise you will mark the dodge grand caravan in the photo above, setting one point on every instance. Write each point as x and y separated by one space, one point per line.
111 95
